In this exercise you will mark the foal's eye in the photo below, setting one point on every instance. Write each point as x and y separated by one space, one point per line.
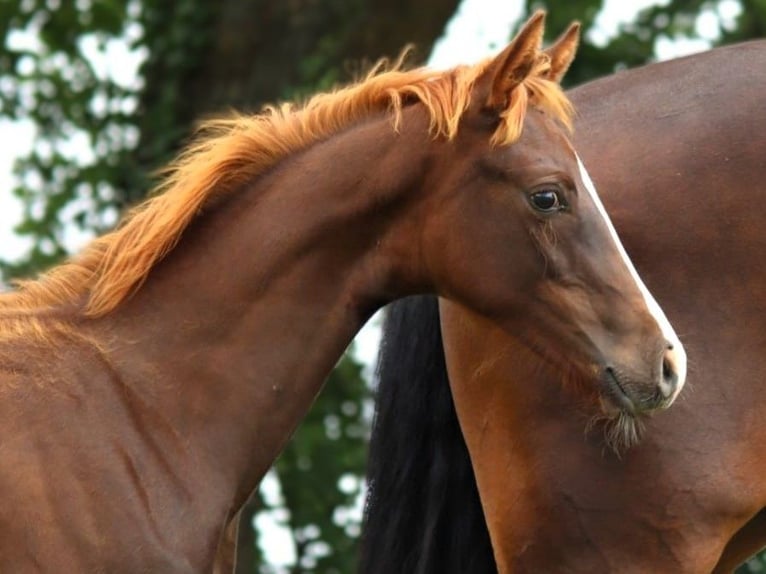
547 200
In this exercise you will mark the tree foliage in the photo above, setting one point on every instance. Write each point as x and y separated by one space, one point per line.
99 139
46 78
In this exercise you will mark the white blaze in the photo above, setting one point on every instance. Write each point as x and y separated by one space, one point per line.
679 353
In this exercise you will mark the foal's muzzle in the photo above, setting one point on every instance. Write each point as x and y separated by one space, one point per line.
624 390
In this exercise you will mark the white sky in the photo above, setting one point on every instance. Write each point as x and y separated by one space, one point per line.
480 28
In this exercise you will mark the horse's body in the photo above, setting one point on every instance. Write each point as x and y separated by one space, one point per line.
148 384
680 147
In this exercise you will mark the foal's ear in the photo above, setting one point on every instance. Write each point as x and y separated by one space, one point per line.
513 64
562 52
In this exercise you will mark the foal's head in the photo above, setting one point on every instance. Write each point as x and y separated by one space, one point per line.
521 237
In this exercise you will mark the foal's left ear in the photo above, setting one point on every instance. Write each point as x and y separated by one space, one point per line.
562 52
513 64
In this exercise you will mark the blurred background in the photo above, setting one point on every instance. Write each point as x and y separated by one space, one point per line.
97 94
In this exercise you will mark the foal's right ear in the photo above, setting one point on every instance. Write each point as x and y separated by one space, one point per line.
511 67
562 52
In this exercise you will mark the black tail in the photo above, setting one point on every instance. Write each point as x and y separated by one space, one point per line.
423 514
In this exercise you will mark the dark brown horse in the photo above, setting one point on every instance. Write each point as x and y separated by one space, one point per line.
148 384
680 147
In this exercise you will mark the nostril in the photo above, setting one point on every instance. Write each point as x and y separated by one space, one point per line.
669 375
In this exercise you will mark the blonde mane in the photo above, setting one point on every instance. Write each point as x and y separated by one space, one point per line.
230 152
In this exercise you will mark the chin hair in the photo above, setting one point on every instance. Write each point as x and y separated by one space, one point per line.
621 432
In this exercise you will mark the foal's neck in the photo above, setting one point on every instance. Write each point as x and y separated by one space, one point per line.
235 331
